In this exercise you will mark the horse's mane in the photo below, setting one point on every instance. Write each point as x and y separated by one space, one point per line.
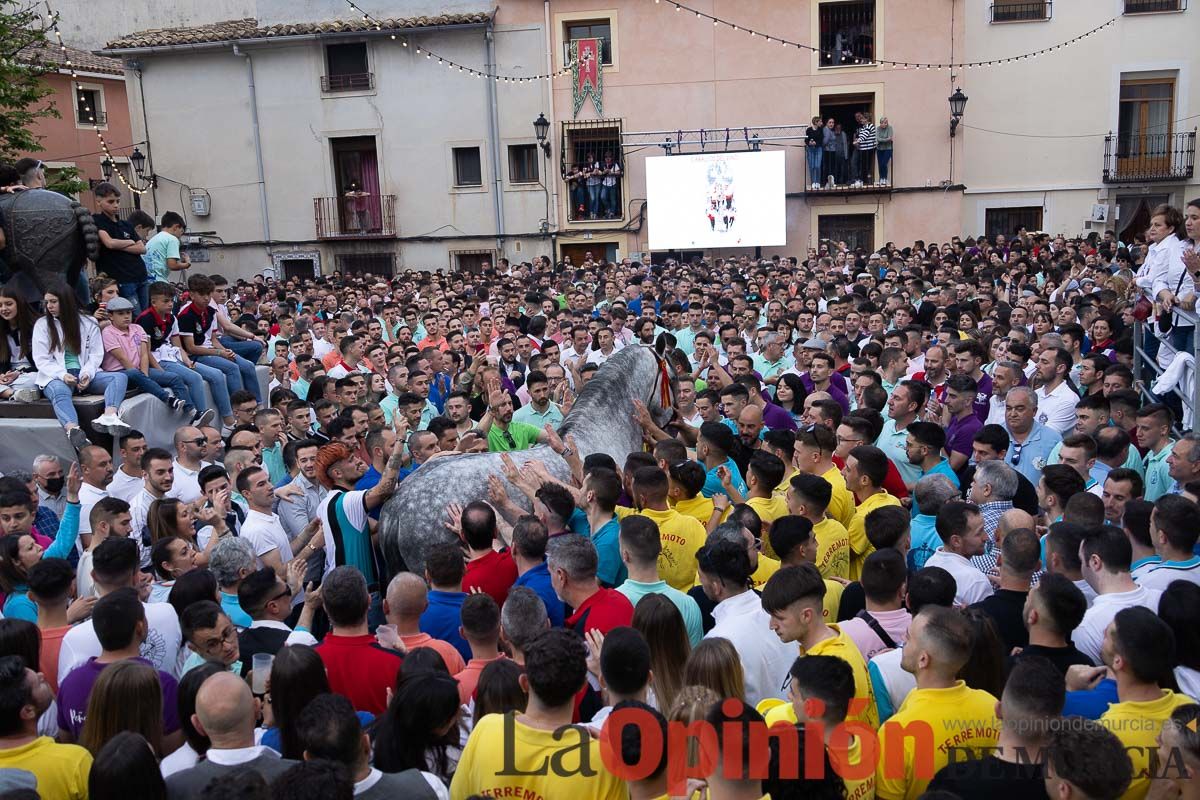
608 384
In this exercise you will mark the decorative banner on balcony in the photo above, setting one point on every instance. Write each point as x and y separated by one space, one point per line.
587 74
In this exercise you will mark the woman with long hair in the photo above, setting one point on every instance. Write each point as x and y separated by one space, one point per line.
985 666
499 689
715 664
125 767
18 378
297 676
19 637
67 352
420 728
20 551
658 619
169 516
790 394
126 697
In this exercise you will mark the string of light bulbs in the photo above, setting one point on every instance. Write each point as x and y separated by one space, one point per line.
379 26
82 102
826 55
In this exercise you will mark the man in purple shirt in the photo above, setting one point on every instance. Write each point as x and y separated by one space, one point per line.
969 356
961 393
120 624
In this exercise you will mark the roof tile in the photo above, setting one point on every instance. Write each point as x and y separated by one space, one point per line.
52 57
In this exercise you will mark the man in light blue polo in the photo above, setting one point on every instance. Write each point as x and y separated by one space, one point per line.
1154 434
1030 442
540 411
773 361
923 446
905 402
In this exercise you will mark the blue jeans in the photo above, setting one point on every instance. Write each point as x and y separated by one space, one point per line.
608 200
157 382
195 379
885 162
814 156
579 201
136 293
111 384
239 373
249 349
593 199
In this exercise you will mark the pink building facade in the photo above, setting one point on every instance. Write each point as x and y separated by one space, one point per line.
668 70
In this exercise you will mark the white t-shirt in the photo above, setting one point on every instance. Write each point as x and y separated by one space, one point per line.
123 486
1056 410
1089 635
972 585
88 497
161 647
1165 573
186 486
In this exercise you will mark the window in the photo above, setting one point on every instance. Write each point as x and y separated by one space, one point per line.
1152 6
1020 10
89 106
1006 221
593 170
1144 117
346 68
471 260
847 33
298 268
468 170
589 29
856 230
522 163
362 263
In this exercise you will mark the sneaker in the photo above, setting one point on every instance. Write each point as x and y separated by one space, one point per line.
815 186
176 403
110 424
205 419
26 395
77 438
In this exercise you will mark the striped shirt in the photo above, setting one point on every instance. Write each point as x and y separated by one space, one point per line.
864 138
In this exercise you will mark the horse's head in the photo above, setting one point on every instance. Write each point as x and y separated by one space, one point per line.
665 386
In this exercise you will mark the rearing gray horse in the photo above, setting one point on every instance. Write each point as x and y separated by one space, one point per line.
601 421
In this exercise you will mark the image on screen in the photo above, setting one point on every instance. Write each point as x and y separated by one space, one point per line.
716 200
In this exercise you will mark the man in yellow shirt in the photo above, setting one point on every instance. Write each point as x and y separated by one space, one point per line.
681 536
61 770
763 474
808 497
792 537
866 470
1138 649
821 690
538 753
814 456
686 479
794 597
940 714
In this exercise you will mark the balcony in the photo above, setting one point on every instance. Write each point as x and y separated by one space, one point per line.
1149 157
841 178
85 118
1022 12
363 216
348 82
1154 6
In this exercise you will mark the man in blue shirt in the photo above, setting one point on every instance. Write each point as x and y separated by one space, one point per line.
528 550
444 570
923 447
713 446
1030 442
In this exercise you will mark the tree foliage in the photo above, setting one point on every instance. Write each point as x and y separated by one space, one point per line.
22 91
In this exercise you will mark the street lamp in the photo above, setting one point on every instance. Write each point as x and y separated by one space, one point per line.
138 159
958 103
106 168
541 127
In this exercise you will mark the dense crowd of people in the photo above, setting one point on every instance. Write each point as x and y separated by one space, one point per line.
912 531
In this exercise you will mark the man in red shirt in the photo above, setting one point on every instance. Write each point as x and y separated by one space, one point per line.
357 666
481 629
573 561
488 570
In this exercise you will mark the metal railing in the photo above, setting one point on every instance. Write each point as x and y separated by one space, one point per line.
361 216
847 175
1022 12
350 82
1153 6
1149 157
91 117
1184 400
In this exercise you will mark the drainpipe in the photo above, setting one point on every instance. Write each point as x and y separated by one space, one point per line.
553 221
494 135
262 178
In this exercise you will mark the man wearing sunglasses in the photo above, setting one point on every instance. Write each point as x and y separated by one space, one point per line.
1030 441
190 447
